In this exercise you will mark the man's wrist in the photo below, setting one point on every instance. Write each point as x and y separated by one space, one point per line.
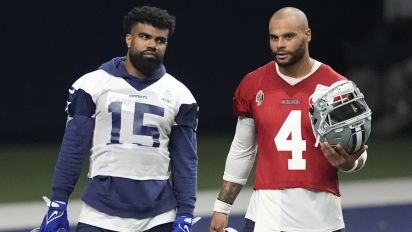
355 165
222 207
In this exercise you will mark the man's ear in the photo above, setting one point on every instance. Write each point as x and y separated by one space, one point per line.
308 34
128 40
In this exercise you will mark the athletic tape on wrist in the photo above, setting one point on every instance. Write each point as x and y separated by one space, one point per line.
222 207
364 157
352 169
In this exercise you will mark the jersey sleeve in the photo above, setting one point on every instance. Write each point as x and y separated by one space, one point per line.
80 103
241 100
187 114
80 100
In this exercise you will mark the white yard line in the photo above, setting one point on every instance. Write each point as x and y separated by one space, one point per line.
354 194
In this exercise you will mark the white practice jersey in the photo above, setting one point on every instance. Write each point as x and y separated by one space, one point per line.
132 124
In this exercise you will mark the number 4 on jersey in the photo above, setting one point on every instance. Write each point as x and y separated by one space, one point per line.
292 126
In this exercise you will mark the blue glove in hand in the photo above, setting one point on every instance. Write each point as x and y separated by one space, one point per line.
56 217
184 224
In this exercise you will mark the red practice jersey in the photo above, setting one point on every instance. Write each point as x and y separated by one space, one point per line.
287 156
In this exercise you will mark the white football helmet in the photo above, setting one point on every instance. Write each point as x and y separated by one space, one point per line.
340 115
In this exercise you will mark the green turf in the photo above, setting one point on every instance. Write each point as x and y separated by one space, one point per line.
26 170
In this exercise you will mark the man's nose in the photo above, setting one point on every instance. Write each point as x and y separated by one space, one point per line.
152 45
280 43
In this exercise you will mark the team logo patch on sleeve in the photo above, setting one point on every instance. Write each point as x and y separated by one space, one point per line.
260 96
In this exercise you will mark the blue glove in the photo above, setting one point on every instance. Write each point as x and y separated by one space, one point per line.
184 224
56 217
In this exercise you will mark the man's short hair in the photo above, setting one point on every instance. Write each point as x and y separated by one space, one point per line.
154 16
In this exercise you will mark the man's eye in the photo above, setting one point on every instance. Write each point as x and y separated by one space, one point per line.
144 36
161 41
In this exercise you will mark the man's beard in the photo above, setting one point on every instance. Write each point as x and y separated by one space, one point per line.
296 56
144 64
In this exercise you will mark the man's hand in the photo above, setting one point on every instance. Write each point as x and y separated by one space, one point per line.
56 217
338 157
219 222
184 224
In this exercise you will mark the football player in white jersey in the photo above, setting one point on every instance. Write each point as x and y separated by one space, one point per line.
140 124
296 186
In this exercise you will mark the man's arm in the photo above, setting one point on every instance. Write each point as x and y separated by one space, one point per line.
242 153
75 144
183 158
239 163
184 161
76 141
223 204
229 192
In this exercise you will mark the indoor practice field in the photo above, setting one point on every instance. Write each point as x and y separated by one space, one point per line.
378 198
50 45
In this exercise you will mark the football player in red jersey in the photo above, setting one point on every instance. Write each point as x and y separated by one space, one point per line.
296 186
